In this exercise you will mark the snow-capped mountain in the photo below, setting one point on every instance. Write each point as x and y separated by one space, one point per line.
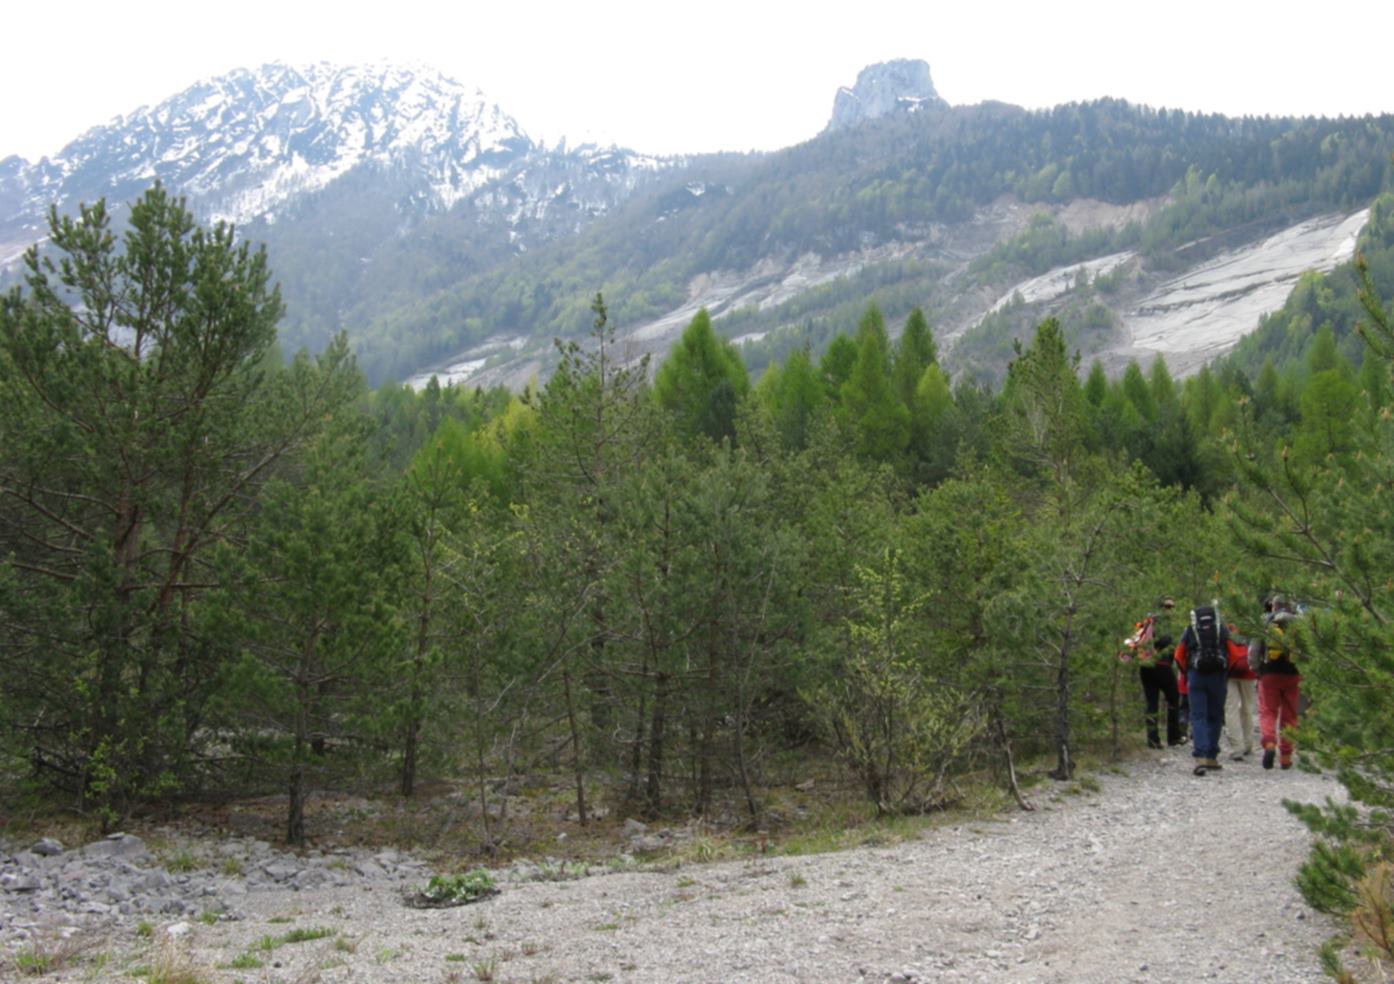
371 185
249 145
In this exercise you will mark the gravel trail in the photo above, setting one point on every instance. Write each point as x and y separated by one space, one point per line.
1157 876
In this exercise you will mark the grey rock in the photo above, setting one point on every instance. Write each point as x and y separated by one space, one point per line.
152 883
902 86
23 882
125 846
47 847
280 871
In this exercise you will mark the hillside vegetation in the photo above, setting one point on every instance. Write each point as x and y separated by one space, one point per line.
919 180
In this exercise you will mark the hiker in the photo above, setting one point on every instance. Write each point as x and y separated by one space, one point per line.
1152 653
1240 701
1279 682
1204 654
1166 628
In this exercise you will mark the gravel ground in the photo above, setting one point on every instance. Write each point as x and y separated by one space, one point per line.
1157 876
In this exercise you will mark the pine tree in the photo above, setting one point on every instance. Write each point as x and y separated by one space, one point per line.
701 383
142 418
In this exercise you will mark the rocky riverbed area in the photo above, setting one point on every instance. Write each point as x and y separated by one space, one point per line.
1140 873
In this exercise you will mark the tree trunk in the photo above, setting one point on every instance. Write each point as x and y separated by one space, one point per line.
1064 761
575 749
653 793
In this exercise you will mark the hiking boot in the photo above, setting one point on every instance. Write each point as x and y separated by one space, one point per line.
1239 756
1286 764
1212 764
1268 756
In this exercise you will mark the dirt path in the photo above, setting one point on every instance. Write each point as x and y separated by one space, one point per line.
1158 876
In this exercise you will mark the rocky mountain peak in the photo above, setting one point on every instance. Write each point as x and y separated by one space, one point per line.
899 86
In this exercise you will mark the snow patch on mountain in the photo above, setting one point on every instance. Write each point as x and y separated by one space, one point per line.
244 143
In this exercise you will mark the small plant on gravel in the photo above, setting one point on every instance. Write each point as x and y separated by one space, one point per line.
456 957
1090 783
561 870
208 917
233 868
685 882
486 969
181 863
345 945
797 880
171 965
145 929
458 889
36 959
246 961
528 949
269 943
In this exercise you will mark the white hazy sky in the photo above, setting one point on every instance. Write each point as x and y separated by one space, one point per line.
708 75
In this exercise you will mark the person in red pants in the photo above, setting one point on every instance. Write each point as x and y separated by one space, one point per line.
1279 685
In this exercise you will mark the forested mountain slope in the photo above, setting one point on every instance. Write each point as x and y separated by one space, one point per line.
419 218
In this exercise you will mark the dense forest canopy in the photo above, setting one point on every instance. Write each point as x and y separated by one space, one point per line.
223 574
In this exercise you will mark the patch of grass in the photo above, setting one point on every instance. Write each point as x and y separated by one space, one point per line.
233 868
608 927
208 917
529 949
268 943
345 945
181 863
171 965
387 955
456 957
145 929
797 880
486 969
277 920
1091 784
562 871
685 882
245 961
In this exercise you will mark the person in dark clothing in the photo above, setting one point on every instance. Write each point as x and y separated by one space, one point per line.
1207 686
1158 676
1151 650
